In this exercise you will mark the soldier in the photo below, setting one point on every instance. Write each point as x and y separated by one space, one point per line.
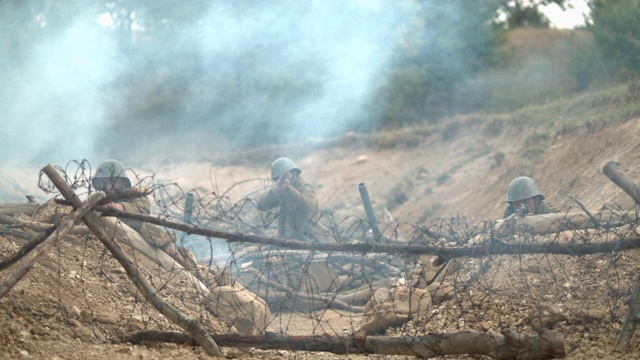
110 175
524 198
297 200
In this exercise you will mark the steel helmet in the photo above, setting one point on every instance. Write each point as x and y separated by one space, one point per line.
522 188
281 166
110 169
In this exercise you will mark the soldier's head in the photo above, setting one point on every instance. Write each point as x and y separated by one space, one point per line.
523 190
110 175
284 167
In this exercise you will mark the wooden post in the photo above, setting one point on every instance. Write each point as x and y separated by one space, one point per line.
191 326
630 323
630 187
622 180
67 224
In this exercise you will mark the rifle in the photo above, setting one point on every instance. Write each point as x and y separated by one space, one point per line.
522 210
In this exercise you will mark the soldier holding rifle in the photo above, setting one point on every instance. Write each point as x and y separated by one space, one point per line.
297 201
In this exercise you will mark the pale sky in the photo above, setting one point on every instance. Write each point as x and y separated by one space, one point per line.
572 17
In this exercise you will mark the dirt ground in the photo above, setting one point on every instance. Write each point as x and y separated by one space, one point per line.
74 303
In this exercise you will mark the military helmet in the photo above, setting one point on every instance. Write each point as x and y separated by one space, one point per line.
110 169
281 166
522 188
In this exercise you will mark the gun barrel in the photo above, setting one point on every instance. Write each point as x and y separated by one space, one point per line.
371 216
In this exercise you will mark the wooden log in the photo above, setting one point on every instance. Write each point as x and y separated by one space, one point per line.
26 248
68 222
116 194
559 222
193 327
539 224
508 345
622 180
12 209
42 227
631 322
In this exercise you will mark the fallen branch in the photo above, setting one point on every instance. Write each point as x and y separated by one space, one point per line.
562 222
26 248
68 222
40 226
115 195
559 222
25 208
508 345
193 327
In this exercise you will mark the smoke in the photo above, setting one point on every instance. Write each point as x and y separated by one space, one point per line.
248 73
231 75
52 101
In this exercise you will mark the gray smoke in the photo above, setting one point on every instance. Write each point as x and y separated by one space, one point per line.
307 66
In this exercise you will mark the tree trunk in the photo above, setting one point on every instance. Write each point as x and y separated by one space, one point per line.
508 345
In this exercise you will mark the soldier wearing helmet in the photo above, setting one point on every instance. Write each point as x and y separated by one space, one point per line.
110 175
295 197
524 198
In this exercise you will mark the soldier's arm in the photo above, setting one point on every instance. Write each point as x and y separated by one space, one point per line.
303 198
268 201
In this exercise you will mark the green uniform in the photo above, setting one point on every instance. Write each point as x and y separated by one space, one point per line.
140 205
151 233
298 207
541 208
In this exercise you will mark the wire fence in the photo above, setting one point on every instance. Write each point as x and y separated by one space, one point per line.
257 288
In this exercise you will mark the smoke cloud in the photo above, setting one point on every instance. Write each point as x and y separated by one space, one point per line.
237 73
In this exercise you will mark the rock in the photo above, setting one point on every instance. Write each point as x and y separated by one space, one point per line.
239 307
39 330
107 318
190 260
389 309
546 317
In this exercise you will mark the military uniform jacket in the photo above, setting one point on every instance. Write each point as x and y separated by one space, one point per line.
151 233
541 208
298 206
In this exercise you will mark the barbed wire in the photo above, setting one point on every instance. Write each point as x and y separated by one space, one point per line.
311 292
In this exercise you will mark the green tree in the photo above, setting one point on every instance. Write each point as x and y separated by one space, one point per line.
523 13
453 41
615 26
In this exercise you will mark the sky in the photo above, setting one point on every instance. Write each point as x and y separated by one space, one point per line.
572 17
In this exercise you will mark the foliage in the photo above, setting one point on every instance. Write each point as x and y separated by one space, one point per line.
442 52
615 26
521 14
255 88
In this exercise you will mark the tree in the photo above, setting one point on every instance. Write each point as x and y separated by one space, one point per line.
523 13
615 26
453 41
